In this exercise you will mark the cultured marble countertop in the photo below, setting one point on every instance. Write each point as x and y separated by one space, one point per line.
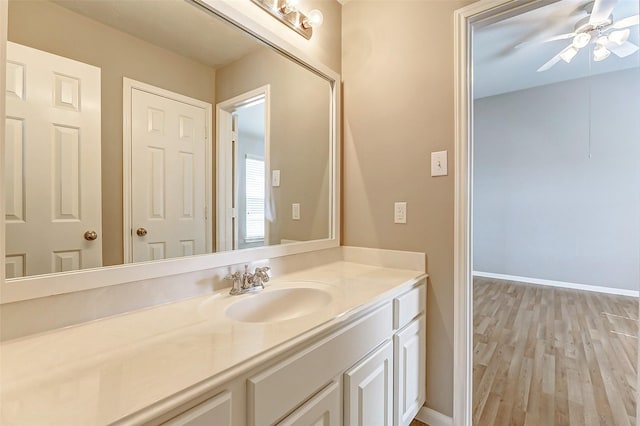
100 372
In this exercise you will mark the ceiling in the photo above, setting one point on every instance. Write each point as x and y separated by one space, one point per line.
175 25
501 67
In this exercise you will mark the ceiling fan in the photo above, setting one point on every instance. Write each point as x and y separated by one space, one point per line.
597 28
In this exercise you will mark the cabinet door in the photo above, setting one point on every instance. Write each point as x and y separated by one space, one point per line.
409 371
215 411
321 410
369 389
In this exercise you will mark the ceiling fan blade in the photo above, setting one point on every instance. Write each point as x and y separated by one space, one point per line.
601 11
623 50
626 22
551 62
546 40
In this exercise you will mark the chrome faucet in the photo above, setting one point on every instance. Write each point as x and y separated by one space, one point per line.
248 282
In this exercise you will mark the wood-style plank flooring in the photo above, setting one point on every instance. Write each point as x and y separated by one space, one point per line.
550 356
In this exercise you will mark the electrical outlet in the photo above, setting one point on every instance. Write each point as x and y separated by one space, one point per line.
295 211
400 212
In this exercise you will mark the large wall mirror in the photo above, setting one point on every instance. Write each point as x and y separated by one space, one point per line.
140 131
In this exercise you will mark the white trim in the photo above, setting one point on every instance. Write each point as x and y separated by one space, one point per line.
127 87
4 11
224 179
464 19
47 285
561 284
433 417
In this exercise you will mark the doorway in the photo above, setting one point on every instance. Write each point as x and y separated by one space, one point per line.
468 22
242 152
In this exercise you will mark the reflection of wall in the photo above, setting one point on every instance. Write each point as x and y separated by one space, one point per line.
49 27
299 138
544 209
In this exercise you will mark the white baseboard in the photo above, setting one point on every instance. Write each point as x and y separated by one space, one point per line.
562 284
433 418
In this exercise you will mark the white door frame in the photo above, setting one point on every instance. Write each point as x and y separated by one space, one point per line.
465 19
224 159
127 87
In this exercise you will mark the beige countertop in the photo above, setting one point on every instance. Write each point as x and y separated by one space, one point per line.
99 372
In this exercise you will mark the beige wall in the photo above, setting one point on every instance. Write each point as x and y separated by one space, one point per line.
398 107
49 27
299 138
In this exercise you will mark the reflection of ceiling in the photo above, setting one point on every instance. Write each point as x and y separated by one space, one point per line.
500 67
175 25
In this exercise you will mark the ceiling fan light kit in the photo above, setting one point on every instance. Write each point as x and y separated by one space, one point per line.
581 40
600 53
600 29
619 37
568 54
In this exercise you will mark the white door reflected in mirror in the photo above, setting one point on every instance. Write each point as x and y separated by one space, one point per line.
52 147
169 165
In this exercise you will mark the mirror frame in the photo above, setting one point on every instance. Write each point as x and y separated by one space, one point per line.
37 286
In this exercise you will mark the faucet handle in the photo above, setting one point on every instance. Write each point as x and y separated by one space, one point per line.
237 279
263 273
235 276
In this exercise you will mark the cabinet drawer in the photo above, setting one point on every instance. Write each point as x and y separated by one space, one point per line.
409 305
280 389
214 411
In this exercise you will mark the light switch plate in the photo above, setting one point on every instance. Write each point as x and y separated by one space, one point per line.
439 163
400 212
275 178
295 211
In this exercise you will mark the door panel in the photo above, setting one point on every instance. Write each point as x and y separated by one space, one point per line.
53 188
410 364
168 177
369 389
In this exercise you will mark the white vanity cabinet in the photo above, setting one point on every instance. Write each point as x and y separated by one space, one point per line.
370 371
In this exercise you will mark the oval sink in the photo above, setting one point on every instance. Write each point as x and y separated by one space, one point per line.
278 305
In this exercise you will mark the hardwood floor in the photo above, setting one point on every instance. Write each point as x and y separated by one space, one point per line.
550 356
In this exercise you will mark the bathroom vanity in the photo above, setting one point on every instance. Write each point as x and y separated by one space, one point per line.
342 343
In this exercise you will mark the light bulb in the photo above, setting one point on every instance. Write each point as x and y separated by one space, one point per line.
600 53
290 6
581 40
569 54
314 19
619 37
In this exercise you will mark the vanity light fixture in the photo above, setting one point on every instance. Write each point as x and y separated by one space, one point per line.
288 12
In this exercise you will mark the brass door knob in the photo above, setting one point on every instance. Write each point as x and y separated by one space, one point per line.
141 232
90 235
